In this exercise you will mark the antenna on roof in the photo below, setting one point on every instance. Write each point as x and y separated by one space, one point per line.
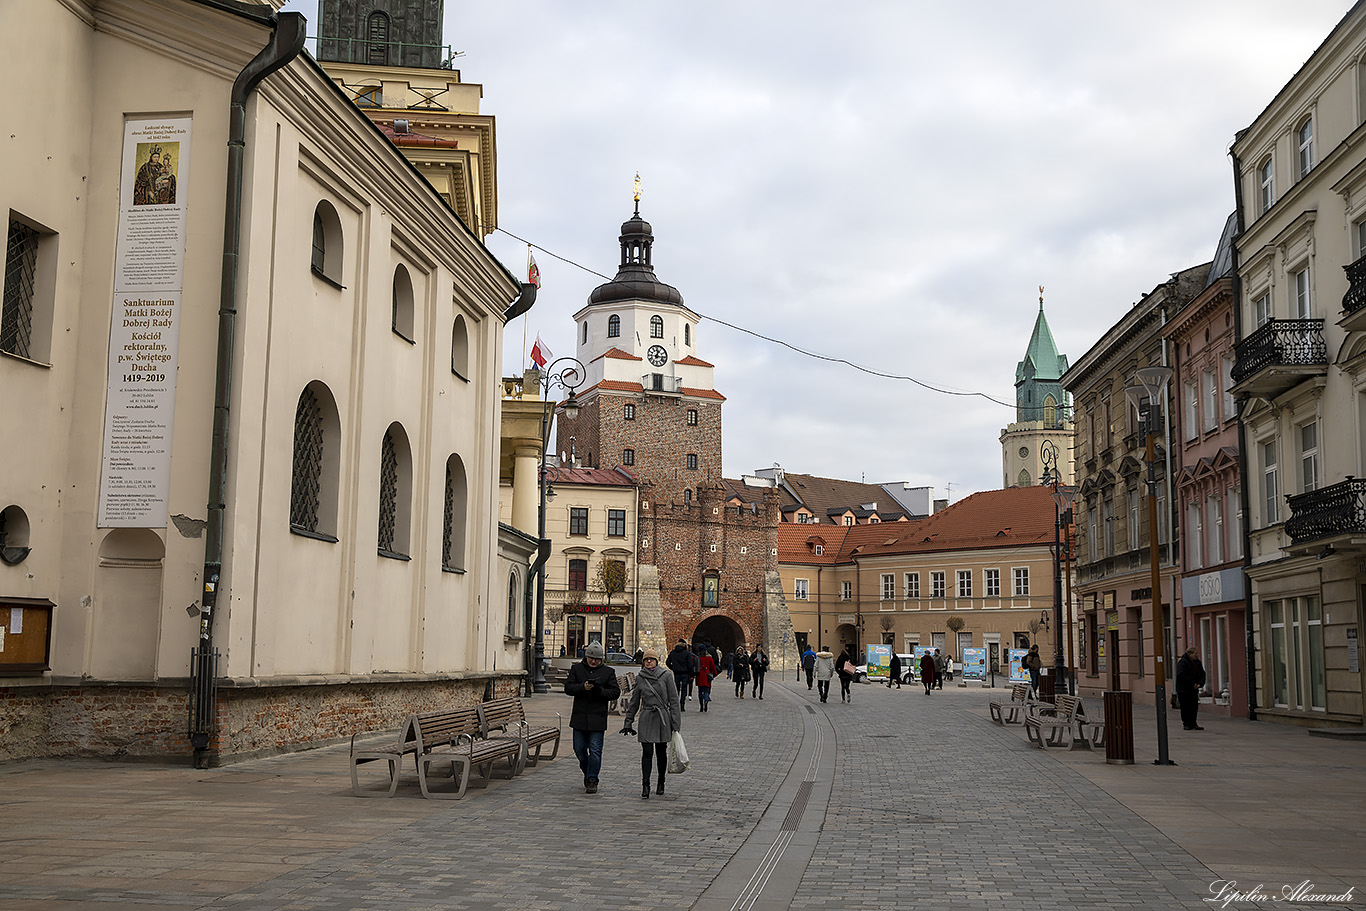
948 490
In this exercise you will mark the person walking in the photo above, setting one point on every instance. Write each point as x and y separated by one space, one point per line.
728 663
846 669
1190 677
707 672
594 687
652 702
740 672
809 664
824 669
948 667
758 667
940 669
927 671
894 672
1033 663
680 661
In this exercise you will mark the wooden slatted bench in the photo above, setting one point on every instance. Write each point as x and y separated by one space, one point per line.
456 736
1092 732
1012 711
392 753
506 716
625 682
1057 718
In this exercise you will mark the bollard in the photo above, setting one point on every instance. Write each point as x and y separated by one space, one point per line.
1119 727
1046 691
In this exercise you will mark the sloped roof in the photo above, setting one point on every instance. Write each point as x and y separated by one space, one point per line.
795 543
599 477
693 361
1042 354
829 496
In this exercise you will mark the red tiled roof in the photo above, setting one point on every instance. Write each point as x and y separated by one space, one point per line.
601 477
416 140
796 543
701 393
618 354
614 386
693 361
1014 517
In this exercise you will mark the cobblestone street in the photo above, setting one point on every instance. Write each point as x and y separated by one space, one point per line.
897 800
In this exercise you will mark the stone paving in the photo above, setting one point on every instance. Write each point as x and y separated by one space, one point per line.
897 800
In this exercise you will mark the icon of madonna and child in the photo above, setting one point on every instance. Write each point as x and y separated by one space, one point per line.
155 183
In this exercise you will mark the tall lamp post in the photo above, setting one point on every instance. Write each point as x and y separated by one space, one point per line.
1151 390
1062 517
569 377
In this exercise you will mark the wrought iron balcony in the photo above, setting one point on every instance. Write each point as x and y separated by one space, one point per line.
1354 301
1279 355
1328 512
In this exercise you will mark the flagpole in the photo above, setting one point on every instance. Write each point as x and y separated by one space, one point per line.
525 321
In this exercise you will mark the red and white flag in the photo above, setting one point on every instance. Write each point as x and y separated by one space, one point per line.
533 272
540 353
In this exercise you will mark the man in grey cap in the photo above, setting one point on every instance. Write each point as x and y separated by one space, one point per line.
594 687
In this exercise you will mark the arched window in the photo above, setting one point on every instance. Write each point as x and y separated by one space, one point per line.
1023 480
395 492
14 535
1050 411
687 335
402 309
453 525
613 326
514 605
377 33
326 258
687 497
460 349
656 326
313 482
585 332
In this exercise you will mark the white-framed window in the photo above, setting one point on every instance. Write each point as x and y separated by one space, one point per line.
1021 574
1261 310
1297 665
1235 528
1309 456
846 591
1192 398
848 520
1266 183
1226 368
965 583
1194 536
1209 383
1305 146
912 585
1271 489
1303 305
888 587
628 412
936 584
991 581
1214 530
799 589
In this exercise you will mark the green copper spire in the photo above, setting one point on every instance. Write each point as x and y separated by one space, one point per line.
1038 393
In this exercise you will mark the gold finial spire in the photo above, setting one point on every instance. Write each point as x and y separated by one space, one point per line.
1040 297
635 187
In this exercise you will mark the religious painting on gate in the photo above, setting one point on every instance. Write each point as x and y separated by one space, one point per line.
155 183
709 590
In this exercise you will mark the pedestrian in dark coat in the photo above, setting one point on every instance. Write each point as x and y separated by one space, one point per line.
1190 677
927 671
758 667
654 706
683 663
740 672
705 675
894 671
594 688
1034 664
846 669
941 667
809 664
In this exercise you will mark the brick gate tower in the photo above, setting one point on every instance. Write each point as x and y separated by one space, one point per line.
648 405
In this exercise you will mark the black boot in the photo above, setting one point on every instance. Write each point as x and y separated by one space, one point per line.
659 788
645 790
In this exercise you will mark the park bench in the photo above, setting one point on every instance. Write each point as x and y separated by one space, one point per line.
392 753
449 735
1012 711
1047 724
507 716
626 682
1091 731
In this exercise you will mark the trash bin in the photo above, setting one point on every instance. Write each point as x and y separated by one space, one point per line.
1046 682
1119 727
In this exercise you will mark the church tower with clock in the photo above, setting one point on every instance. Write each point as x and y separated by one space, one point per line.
707 567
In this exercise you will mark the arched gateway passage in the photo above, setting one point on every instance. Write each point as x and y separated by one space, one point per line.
722 632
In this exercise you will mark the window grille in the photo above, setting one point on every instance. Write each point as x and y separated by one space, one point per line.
388 492
448 522
613 326
378 51
308 463
656 327
21 262
319 261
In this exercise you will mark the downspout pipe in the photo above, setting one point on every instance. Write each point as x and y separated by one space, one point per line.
286 42
1244 495
522 304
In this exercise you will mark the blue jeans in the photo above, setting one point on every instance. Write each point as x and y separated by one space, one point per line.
588 747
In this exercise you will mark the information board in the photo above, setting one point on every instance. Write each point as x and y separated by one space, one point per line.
1018 672
975 663
879 660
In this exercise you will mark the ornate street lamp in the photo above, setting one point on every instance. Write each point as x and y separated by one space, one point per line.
569 378
1063 495
1151 390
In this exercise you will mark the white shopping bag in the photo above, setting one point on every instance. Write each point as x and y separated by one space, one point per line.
678 755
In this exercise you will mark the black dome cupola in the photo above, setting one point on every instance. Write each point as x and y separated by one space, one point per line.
635 280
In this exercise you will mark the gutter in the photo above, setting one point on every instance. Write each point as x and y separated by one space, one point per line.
286 42
522 304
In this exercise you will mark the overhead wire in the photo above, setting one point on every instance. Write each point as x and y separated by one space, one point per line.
777 341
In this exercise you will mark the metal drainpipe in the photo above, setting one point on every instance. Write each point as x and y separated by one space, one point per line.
286 41
1244 495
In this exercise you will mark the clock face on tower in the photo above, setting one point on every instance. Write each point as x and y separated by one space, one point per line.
657 356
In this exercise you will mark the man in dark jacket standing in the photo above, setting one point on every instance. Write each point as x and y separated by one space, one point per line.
1190 677
594 687
894 672
685 665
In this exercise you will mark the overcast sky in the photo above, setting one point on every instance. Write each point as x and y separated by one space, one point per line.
883 182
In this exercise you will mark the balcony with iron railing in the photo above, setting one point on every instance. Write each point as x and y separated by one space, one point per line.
1279 355
1354 301
1333 515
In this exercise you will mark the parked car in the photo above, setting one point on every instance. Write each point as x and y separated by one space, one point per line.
619 658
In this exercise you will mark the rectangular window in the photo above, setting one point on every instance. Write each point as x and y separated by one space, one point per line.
628 412
848 520
799 589
912 585
1280 684
692 417
1092 541
578 575
846 591
1109 427
578 520
1194 536
1227 370
1134 524
18 321
965 583
1303 305
1192 411
936 584
1261 310
1162 519
1266 180
628 457
1309 456
991 580
1271 493
1209 382
1305 137
1021 581
1235 530
1214 530
616 523
888 587
692 461
1107 517
1361 230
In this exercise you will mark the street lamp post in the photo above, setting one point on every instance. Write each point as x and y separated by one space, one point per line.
1062 517
569 378
1152 387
